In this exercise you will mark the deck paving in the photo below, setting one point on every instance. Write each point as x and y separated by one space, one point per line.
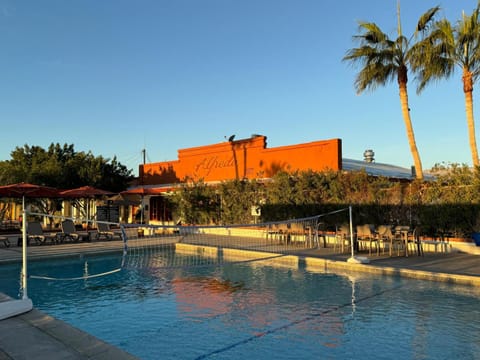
35 335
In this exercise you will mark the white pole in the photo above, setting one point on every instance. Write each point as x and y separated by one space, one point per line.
24 250
351 230
353 258
17 307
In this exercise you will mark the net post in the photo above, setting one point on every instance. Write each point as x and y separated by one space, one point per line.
353 258
24 250
16 307
351 230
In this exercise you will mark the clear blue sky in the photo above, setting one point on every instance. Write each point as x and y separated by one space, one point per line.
117 76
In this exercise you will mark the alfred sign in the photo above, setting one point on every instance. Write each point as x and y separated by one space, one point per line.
207 164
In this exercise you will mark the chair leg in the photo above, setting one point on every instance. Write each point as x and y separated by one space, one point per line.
419 247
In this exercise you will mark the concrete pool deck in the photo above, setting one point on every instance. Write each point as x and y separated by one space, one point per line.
35 335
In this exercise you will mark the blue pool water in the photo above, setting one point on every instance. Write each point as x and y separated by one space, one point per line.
251 311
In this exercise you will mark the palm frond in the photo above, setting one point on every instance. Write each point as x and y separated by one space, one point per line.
434 56
401 43
371 34
468 41
426 19
373 75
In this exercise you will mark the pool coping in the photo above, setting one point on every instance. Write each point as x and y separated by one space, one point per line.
36 335
325 265
458 279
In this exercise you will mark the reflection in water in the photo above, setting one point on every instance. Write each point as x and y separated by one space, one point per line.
352 281
204 296
262 312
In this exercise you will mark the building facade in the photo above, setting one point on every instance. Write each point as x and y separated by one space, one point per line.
234 159
242 159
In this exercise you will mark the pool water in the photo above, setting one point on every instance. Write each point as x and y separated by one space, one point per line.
254 311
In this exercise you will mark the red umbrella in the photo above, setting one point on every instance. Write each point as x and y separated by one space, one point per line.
85 192
25 190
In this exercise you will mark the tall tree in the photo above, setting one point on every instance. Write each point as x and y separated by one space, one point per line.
382 60
446 48
64 168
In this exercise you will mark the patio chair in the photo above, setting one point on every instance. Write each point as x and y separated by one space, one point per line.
366 233
69 232
385 237
414 239
343 238
35 232
402 238
298 234
104 230
284 235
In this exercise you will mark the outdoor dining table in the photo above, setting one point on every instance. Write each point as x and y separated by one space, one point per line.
406 234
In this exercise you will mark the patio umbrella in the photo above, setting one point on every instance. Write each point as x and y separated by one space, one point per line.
23 191
85 192
26 190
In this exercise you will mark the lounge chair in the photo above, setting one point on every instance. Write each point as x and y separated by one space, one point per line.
69 232
35 232
5 241
103 230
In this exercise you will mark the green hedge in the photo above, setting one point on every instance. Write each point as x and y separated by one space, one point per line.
447 203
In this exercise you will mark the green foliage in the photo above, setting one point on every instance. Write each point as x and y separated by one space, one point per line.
383 60
237 197
449 203
64 168
195 203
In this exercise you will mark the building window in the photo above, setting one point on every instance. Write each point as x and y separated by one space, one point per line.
160 209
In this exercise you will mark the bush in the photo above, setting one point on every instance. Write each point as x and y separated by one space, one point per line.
449 203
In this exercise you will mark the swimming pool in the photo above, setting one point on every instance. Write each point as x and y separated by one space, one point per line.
256 311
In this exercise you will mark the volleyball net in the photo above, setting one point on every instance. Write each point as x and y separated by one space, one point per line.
192 245
175 246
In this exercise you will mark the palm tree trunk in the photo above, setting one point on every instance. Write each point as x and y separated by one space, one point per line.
409 127
468 90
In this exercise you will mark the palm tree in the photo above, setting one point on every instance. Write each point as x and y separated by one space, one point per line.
383 60
443 50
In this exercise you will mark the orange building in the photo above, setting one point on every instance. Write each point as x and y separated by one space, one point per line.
243 159
234 159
